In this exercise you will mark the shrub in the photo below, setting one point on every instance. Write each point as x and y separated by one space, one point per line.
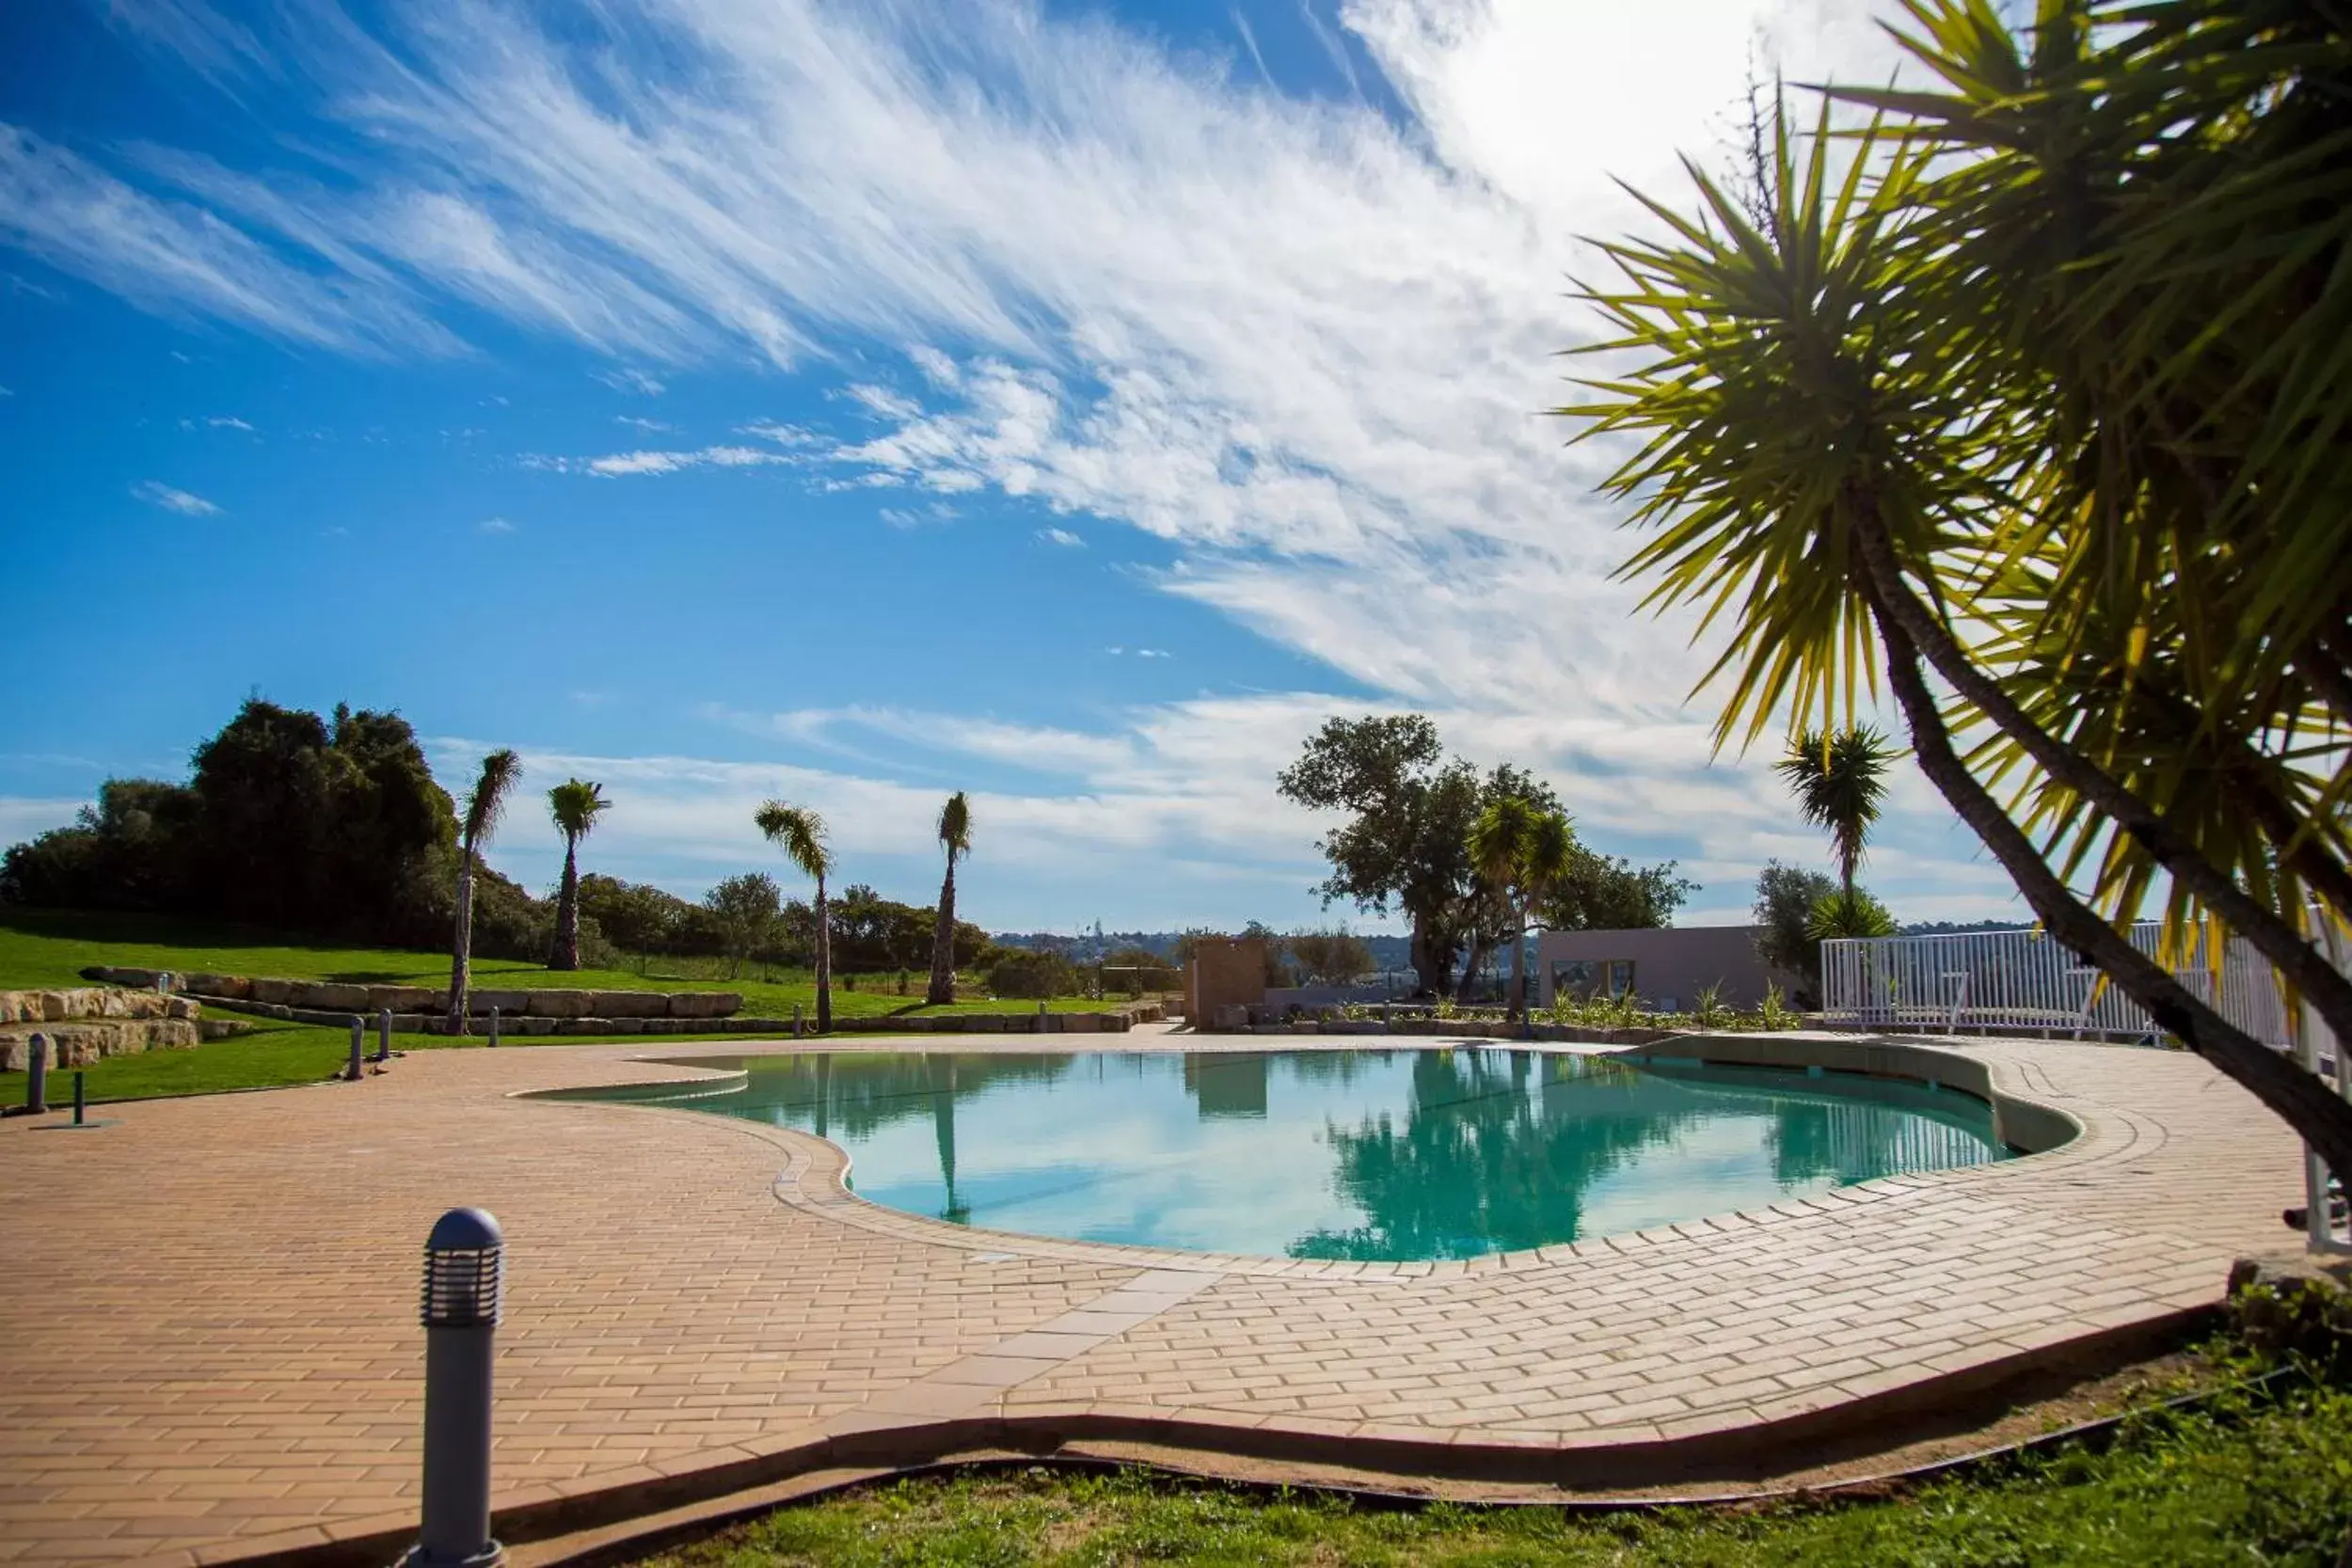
1032 976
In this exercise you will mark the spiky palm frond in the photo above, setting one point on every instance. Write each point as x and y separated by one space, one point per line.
487 802
955 827
799 832
1839 780
576 804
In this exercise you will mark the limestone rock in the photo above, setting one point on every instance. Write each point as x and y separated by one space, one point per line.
273 992
231 988
559 1003
630 1003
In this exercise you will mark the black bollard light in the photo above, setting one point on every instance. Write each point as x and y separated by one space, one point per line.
460 1311
37 1076
359 1047
384 1034
78 1101
494 1026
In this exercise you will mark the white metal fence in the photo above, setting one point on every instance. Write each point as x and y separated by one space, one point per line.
2028 982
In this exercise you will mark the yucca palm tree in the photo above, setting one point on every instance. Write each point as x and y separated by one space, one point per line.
1840 783
955 836
799 832
499 772
575 805
1522 853
1844 455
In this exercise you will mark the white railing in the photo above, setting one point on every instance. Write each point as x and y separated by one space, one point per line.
2027 982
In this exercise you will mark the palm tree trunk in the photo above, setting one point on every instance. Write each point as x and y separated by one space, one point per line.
1518 967
2309 1105
2302 966
824 962
461 954
566 955
943 987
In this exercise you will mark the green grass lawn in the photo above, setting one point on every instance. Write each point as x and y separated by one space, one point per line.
41 949
2246 1484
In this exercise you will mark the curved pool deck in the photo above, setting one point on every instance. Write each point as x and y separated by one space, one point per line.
208 1348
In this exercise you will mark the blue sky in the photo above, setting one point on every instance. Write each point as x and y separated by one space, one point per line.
728 398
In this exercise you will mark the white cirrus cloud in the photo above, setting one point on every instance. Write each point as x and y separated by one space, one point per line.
156 493
1063 537
494 525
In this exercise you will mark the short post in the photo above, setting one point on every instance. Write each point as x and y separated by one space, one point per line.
494 1027
1041 1018
796 1021
163 983
358 1046
384 1034
37 1076
460 1309
78 1101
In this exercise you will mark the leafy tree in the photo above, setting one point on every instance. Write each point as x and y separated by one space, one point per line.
1407 841
575 805
1331 958
637 916
130 850
955 837
1136 969
1522 853
1840 783
744 910
1032 976
799 832
1608 892
1785 897
2056 359
484 803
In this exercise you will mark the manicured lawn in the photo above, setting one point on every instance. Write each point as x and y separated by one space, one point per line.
2270 1485
44 949
40 948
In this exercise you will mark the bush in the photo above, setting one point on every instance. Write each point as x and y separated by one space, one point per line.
1033 976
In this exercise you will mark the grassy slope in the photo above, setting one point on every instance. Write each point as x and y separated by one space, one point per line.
2272 1486
39 949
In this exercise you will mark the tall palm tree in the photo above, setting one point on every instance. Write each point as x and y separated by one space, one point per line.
1840 783
575 805
499 771
955 836
799 832
1844 458
1522 853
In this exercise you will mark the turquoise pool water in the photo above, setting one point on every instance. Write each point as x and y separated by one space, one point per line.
1389 1155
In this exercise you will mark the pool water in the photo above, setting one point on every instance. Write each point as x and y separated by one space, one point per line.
1390 1155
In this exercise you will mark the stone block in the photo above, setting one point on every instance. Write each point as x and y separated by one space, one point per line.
978 1024
630 1003
625 1026
334 997
1229 1016
705 1003
406 999
510 1002
531 1026
231 988
273 992
559 1003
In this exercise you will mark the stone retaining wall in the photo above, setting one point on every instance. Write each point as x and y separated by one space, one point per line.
84 1023
339 1000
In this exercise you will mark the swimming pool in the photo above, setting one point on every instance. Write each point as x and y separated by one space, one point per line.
1390 1155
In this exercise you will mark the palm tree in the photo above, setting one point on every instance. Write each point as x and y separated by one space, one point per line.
1845 455
1840 781
955 836
497 780
1522 853
799 832
575 805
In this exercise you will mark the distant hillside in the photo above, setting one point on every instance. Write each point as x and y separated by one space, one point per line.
1954 927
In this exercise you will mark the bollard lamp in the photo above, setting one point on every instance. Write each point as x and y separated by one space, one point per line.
459 1304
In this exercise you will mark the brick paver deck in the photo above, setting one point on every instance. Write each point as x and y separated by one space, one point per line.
207 1347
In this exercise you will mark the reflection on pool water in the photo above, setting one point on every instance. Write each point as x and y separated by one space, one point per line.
1390 1155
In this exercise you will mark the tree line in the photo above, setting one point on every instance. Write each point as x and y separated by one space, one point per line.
335 828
